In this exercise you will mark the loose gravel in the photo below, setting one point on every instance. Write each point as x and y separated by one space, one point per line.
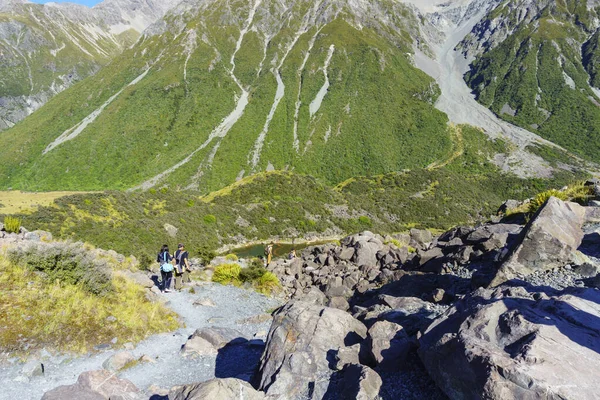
232 306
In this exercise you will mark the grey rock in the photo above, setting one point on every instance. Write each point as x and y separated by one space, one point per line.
96 385
315 296
347 254
296 354
438 295
339 302
217 389
421 236
361 383
365 253
198 346
507 343
206 302
32 368
346 356
548 241
389 344
118 361
220 337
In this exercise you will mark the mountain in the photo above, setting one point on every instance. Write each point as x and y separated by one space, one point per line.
219 90
535 64
45 49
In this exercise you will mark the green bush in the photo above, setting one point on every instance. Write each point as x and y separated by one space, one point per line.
252 273
12 224
206 255
231 257
226 274
541 198
210 219
68 263
364 220
145 261
267 284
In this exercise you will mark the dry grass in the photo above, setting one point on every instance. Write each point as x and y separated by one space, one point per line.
12 202
35 313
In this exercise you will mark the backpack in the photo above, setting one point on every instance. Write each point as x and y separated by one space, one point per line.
166 266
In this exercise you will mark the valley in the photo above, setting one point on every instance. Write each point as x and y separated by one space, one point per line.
433 164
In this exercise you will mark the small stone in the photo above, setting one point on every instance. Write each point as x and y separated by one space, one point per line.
33 368
147 359
198 346
118 361
111 319
205 303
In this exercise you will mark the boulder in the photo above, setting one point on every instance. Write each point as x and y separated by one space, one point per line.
217 389
339 302
548 241
299 349
96 385
506 343
346 254
360 383
315 296
197 346
220 337
365 253
118 361
346 356
421 237
389 344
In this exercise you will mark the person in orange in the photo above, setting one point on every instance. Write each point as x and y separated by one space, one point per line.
269 253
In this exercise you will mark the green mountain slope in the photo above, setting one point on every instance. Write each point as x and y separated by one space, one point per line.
284 205
534 64
44 49
221 90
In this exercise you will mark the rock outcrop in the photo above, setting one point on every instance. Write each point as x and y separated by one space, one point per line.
509 343
548 241
300 350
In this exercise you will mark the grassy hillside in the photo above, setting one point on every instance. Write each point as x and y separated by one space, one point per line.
72 297
537 77
376 115
289 205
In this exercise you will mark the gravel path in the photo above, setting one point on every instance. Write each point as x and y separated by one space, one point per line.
232 305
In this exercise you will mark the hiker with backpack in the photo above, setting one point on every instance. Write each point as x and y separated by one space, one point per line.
166 268
182 267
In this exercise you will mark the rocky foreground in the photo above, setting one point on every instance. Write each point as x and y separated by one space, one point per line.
501 311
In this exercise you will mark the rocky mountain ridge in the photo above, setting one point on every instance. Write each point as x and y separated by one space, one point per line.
44 49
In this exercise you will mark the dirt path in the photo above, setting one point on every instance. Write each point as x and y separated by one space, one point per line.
232 305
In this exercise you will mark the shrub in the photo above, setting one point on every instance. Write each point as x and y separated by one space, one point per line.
231 257
541 198
252 273
12 224
364 220
267 284
257 262
228 274
68 263
206 255
210 219
145 261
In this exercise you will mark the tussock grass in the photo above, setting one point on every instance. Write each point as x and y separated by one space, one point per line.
35 313
267 284
228 274
12 224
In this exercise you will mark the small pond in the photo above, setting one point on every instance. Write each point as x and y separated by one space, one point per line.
279 249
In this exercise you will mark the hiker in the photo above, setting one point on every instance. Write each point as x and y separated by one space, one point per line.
292 254
182 267
269 253
166 268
